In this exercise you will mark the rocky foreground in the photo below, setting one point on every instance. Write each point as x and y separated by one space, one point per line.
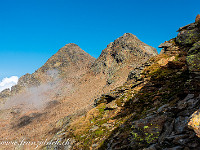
157 108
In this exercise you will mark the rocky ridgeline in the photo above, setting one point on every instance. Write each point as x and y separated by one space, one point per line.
65 85
71 61
154 109
127 50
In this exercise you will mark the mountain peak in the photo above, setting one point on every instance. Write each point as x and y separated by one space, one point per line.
69 55
129 35
71 45
126 50
69 60
131 42
126 38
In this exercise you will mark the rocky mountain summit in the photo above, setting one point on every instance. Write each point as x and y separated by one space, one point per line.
68 56
125 51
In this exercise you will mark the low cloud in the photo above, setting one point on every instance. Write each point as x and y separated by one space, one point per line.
38 97
8 83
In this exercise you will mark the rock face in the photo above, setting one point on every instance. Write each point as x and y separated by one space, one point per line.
127 50
123 51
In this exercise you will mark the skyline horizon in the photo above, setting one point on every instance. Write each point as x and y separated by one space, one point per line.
8 82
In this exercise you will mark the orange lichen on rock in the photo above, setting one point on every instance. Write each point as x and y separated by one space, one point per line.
197 18
194 122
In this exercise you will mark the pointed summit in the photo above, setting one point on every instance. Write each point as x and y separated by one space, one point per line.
127 49
68 56
71 48
130 41
69 61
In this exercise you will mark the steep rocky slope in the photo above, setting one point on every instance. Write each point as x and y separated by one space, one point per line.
152 110
64 88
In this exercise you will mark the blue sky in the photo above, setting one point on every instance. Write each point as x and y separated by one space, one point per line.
31 31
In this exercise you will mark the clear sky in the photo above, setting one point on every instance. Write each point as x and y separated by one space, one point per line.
31 31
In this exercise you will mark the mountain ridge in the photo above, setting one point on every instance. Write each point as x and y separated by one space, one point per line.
60 59
65 87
